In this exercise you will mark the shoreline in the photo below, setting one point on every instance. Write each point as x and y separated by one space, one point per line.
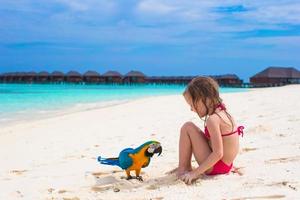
77 98
38 114
77 108
52 113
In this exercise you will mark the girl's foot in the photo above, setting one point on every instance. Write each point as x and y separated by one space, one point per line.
178 171
181 173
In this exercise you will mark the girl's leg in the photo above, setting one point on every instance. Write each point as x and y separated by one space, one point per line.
191 141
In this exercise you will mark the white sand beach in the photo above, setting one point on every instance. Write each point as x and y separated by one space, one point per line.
55 158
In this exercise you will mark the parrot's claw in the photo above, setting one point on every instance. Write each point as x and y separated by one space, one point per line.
129 177
139 178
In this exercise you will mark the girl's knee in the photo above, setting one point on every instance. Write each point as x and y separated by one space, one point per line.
186 126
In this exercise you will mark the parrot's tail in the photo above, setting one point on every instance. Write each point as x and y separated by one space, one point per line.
109 161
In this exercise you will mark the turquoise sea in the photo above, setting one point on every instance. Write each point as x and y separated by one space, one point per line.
20 101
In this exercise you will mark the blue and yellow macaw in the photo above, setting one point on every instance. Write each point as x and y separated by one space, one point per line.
134 159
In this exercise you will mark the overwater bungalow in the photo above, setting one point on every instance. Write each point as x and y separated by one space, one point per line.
134 77
7 77
1 78
152 79
168 79
92 77
57 77
11 77
276 76
112 77
156 79
43 77
174 79
19 77
171 79
73 77
28 77
184 79
228 80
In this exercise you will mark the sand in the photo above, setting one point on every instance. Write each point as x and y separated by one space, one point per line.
55 158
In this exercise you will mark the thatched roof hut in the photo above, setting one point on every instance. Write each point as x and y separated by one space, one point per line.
184 79
73 77
7 77
112 77
134 77
227 76
112 74
57 74
91 74
152 79
170 79
73 74
20 77
156 79
30 74
92 77
43 77
278 72
134 74
228 80
43 74
57 77
13 77
273 76
28 77
1 78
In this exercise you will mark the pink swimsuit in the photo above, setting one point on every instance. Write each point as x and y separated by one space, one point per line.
220 167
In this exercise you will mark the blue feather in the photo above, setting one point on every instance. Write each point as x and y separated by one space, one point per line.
109 161
124 159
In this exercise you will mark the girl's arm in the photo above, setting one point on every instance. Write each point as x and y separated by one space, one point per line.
213 125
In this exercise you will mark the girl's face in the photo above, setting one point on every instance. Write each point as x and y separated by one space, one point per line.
198 108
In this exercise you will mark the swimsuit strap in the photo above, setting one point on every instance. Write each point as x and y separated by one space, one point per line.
239 130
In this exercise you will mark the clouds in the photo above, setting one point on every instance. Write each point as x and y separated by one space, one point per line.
221 19
208 16
156 28
175 11
144 21
155 7
262 12
276 14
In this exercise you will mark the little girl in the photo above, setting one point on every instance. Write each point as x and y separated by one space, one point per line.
216 147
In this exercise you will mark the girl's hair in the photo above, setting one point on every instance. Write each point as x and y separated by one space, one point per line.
205 89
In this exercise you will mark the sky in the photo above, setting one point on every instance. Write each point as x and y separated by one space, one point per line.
157 37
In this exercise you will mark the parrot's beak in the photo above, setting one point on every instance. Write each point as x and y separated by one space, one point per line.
158 150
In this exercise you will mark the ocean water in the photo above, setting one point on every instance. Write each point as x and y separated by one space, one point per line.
21 101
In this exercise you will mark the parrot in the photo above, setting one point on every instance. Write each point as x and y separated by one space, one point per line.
134 159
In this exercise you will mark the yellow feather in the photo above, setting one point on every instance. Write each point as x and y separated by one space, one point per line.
139 159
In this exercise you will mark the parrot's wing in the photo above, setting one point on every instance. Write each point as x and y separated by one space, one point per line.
124 159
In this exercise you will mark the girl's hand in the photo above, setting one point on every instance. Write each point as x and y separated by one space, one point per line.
189 177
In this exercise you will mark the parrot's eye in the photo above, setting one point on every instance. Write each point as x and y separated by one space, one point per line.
151 149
